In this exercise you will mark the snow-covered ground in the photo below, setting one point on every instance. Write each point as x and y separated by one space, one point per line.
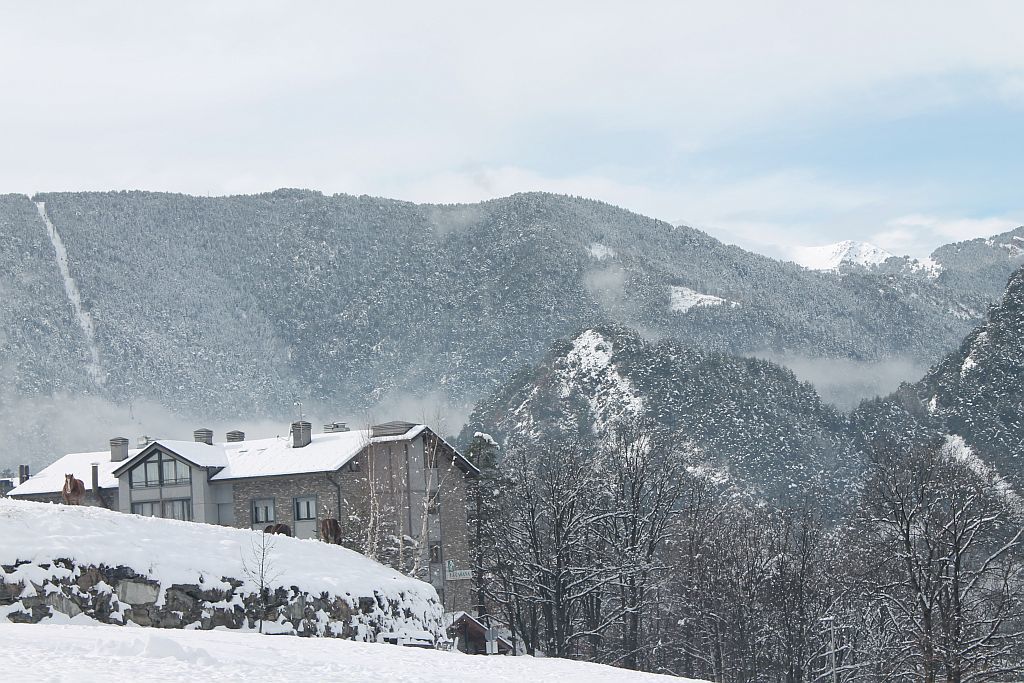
600 252
830 256
684 298
80 653
590 365
186 553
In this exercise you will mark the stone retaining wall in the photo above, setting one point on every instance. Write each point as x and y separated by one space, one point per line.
31 592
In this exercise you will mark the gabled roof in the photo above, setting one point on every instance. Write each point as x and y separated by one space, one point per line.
51 479
194 452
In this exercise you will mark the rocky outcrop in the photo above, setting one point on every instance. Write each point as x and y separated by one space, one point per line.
32 592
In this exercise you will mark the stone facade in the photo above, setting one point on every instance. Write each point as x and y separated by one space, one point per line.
284 490
385 494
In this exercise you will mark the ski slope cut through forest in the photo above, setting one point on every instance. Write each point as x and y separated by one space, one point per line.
74 296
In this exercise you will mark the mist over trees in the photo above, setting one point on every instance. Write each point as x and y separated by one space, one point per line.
232 308
707 516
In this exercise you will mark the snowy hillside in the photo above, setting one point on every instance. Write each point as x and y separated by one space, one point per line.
750 418
977 389
103 653
351 304
848 252
122 568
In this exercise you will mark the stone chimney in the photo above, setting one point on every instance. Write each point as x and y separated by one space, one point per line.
236 435
203 435
118 449
302 433
96 479
23 474
333 427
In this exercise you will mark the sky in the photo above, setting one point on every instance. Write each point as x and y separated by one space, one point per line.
767 124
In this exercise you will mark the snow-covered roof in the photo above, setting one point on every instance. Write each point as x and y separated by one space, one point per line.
276 456
51 479
197 453
238 460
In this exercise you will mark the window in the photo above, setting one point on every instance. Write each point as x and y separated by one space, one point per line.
178 509
160 469
263 511
305 508
146 509
168 509
435 553
175 472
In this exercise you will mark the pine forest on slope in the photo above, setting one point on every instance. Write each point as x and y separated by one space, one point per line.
233 308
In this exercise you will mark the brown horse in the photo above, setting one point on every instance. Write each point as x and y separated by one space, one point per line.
330 531
278 528
73 492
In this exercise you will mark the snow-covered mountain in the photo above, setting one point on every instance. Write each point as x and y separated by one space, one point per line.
978 391
156 312
746 419
832 256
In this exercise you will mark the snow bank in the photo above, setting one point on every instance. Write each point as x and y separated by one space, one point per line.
196 564
103 653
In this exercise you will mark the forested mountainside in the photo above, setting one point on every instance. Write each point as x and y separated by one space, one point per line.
747 421
42 349
978 391
758 512
238 306
752 421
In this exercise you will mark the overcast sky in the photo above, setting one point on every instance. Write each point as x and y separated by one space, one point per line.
765 124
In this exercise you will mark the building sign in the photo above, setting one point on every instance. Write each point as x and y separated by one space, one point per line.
453 574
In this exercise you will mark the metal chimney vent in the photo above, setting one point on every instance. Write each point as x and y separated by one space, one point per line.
203 435
302 433
118 449
333 427
236 435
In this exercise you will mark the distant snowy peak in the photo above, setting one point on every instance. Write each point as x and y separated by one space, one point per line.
831 256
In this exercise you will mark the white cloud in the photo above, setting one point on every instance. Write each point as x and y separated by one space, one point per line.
911 232
458 101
